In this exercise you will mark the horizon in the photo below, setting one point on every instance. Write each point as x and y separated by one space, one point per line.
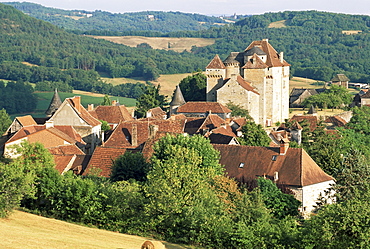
208 7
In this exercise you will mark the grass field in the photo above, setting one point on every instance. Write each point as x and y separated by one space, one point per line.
44 99
26 231
166 43
278 24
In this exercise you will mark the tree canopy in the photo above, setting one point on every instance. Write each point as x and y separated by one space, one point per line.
254 135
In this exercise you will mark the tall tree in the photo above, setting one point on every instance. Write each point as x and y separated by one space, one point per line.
150 99
254 135
193 87
5 121
129 166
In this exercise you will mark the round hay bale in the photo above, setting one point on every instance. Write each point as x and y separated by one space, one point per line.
152 245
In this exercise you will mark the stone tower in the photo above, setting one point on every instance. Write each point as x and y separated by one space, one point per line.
264 87
55 103
177 100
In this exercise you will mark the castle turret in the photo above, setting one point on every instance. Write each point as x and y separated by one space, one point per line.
215 72
55 103
177 100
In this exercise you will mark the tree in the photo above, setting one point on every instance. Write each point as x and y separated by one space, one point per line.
193 87
5 121
238 111
106 101
104 125
280 204
150 99
254 135
129 166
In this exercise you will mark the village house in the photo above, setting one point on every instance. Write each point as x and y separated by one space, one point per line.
298 95
72 113
203 109
340 80
292 167
113 114
256 79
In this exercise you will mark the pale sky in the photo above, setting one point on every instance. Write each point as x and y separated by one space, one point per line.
210 7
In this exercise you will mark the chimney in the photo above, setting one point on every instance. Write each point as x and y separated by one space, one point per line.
49 124
77 102
134 135
114 102
153 130
284 146
266 40
281 56
90 107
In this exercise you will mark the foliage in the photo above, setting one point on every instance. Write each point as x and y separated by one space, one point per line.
238 111
104 125
129 166
17 97
280 204
335 97
254 135
106 101
105 21
193 87
148 100
5 121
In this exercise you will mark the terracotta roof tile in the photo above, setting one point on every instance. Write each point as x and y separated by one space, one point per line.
273 59
336 121
312 120
211 122
255 63
224 130
203 107
122 135
111 114
216 63
66 150
26 120
157 113
102 159
246 85
63 162
295 168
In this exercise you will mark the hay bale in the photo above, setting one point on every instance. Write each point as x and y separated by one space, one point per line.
152 245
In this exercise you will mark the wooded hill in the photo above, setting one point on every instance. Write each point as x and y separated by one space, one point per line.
54 55
159 21
316 44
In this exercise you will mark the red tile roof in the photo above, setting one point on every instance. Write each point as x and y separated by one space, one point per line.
122 134
336 121
216 63
66 150
246 85
102 159
255 63
63 162
211 122
311 119
157 113
273 59
203 107
26 120
111 114
295 168
224 130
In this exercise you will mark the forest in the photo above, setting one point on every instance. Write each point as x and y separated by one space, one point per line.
157 21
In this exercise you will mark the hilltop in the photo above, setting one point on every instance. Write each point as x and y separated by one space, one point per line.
157 21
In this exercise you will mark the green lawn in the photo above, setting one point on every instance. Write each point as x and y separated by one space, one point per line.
44 99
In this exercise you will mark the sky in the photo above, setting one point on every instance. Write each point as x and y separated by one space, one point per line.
210 7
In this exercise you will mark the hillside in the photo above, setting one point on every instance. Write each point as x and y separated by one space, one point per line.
24 230
156 21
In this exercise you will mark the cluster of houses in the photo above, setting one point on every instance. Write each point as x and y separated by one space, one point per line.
74 137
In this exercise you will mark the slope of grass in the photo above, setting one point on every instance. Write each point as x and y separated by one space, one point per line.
24 230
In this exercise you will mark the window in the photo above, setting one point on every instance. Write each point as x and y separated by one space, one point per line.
241 165
274 157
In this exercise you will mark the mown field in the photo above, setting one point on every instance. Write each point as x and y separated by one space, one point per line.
44 99
166 43
28 231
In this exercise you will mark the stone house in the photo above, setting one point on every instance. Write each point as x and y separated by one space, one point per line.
298 95
292 167
113 114
72 113
257 79
18 123
340 80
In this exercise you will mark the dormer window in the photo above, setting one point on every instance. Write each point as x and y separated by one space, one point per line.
274 157
241 165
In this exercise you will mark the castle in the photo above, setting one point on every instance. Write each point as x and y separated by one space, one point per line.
257 79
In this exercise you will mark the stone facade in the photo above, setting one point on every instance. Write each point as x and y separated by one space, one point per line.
310 195
264 85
